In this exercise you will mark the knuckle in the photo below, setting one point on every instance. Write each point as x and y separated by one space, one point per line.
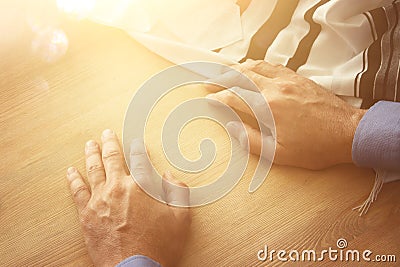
297 78
111 154
287 87
95 168
259 63
118 189
100 204
91 150
84 217
72 179
85 213
79 190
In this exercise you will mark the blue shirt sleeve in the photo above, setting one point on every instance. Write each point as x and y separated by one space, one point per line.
138 261
376 143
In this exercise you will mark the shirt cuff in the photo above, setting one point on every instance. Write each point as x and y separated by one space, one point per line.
138 261
376 143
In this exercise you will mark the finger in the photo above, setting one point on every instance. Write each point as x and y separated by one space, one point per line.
177 194
94 165
142 170
79 190
140 165
252 140
258 82
237 76
113 159
267 69
228 97
252 103
228 79
219 81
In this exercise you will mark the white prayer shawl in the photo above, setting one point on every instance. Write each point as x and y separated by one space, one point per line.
347 46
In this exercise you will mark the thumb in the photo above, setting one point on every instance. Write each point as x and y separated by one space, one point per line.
176 194
142 170
140 165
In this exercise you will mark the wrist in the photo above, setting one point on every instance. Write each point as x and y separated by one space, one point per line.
354 121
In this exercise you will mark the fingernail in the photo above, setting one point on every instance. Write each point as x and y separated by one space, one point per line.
71 170
107 132
91 143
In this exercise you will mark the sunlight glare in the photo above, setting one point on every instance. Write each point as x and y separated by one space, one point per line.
80 8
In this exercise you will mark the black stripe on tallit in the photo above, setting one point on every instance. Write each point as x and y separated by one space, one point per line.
374 58
385 81
391 84
358 74
373 33
398 86
305 45
265 36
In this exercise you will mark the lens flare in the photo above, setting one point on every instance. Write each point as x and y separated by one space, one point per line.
79 8
50 44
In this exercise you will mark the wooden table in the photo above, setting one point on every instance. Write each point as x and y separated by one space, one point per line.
48 111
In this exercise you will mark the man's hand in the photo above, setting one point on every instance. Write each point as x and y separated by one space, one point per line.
118 219
314 128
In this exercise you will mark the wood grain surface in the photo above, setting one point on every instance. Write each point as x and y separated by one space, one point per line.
49 110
